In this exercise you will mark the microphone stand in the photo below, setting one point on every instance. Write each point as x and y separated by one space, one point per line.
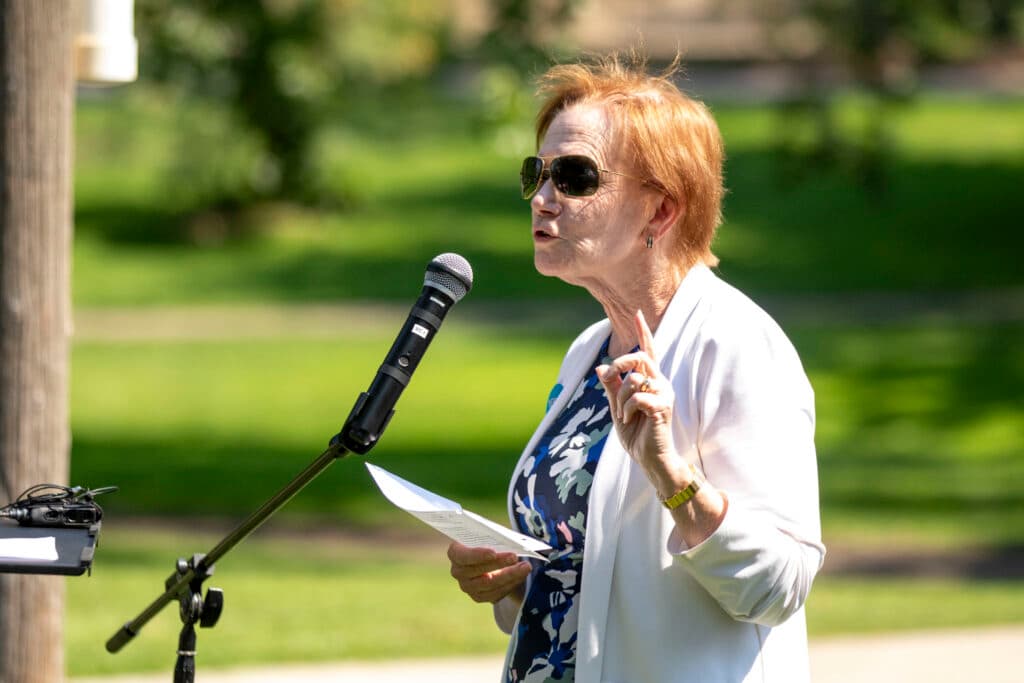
186 583
448 278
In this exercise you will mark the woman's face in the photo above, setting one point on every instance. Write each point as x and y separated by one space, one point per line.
589 241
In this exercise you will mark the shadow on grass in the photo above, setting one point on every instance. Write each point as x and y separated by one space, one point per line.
192 478
942 225
919 428
396 275
984 564
130 224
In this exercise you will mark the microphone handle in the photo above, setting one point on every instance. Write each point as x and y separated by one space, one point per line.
375 406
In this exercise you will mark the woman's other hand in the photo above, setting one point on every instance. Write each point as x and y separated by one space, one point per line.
486 575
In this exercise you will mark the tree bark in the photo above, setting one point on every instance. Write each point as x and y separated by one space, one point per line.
36 106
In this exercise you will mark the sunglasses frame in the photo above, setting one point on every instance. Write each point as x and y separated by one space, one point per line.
548 163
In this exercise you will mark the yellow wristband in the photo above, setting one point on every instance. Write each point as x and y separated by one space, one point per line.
685 495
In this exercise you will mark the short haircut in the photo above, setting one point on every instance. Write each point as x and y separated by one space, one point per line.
674 140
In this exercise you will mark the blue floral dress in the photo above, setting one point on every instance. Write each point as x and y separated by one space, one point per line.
550 502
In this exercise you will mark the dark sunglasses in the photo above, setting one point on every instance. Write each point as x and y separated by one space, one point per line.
573 175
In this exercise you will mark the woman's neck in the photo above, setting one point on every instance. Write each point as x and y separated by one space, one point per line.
650 295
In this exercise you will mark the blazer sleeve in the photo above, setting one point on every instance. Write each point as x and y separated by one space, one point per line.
755 443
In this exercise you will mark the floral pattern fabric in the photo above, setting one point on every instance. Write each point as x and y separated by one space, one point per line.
550 502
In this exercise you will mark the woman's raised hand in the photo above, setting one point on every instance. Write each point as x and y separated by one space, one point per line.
641 401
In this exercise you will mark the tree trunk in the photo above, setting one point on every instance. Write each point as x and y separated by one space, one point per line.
36 105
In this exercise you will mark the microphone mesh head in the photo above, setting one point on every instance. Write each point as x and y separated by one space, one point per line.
450 273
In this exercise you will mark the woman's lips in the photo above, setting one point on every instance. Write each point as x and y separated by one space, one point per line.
542 235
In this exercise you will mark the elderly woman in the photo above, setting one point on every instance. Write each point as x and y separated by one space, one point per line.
674 471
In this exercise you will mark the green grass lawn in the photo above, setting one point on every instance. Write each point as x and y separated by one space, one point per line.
319 600
213 429
846 605
918 428
323 598
227 423
299 600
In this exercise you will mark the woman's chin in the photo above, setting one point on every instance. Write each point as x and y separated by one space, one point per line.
547 266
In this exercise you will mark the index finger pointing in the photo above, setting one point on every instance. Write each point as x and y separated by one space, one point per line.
644 334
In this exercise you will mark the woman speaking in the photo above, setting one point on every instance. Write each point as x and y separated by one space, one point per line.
674 471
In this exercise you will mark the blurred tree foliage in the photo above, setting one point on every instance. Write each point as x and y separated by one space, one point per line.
882 45
276 72
522 32
521 42
267 77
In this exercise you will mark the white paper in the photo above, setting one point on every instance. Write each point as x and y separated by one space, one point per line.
450 519
42 549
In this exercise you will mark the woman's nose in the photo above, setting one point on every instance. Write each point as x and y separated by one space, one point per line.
545 200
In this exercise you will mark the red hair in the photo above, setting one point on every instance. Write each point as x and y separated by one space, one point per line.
673 140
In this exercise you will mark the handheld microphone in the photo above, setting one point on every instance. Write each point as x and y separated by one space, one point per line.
448 278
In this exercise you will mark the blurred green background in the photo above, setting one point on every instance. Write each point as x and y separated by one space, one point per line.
253 218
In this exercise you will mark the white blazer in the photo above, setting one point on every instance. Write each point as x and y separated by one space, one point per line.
729 610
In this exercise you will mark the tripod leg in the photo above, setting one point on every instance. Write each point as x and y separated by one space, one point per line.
185 666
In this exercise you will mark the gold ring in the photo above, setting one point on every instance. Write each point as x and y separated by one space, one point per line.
646 386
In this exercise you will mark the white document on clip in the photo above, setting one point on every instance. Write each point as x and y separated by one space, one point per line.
450 519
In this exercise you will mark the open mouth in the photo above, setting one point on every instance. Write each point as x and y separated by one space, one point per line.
541 234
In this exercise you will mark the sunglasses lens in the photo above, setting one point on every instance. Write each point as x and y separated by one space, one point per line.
530 176
576 176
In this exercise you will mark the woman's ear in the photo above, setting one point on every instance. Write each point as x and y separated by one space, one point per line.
667 212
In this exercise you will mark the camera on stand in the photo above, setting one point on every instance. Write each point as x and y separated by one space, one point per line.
56 532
